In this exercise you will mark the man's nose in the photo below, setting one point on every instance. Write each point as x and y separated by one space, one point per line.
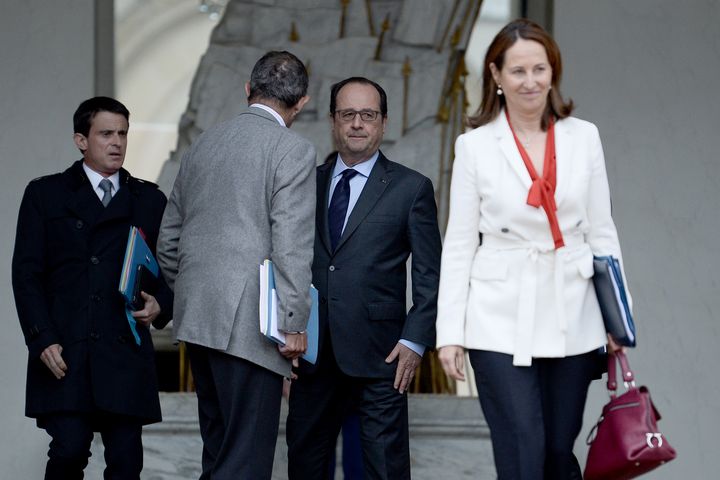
357 121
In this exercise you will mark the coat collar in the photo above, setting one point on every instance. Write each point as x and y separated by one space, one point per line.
84 202
379 179
260 113
563 153
501 129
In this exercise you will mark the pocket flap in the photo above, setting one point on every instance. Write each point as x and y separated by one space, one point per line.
585 267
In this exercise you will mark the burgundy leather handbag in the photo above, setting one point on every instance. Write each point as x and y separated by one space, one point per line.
626 442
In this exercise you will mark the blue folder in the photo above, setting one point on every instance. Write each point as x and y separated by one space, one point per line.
138 257
268 313
613 300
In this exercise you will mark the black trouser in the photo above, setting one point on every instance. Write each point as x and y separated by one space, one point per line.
319 402
72 434
239 409
534 413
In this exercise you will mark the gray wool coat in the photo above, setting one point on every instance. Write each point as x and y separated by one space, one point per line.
245 192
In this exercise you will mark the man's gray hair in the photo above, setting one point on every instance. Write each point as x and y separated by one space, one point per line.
278 76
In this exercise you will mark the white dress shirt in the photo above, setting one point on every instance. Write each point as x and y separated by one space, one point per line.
95 179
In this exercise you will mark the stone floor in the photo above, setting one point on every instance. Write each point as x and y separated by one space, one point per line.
448 440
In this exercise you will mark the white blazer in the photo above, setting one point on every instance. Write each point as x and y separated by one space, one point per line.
515 293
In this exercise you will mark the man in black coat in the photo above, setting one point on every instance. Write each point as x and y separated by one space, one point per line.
372 214
86 373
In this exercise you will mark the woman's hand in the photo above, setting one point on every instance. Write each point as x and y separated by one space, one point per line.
452 358
613 346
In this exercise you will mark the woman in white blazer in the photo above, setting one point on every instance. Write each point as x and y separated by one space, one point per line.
529 206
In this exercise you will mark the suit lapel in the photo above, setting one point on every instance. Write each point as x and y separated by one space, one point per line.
379 179
510 150
84 202
324 177
563 157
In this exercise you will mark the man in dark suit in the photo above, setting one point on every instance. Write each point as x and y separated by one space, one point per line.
372 214
86 373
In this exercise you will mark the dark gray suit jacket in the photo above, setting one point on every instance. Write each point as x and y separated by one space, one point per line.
363 284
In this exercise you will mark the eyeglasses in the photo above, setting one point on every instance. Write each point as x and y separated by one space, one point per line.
348 115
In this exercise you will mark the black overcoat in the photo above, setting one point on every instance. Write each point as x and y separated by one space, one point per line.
66 269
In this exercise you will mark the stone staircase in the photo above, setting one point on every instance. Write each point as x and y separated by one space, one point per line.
448 440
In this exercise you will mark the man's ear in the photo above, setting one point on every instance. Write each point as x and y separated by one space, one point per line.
300 104
247 89
80 141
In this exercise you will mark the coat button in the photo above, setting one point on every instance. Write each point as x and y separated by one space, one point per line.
331 268
323 300
95 298
94 260
504 230
79 224
290 314
121 339
95 336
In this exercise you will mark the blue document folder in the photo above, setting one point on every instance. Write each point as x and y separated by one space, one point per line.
139 262
268 313
613 300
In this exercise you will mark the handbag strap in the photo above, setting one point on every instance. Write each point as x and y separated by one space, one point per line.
627 374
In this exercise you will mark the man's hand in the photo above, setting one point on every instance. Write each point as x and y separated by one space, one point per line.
150 311
407 364
452 358
52 359
295 345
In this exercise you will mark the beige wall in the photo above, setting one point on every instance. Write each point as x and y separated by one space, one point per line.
46 69
646 72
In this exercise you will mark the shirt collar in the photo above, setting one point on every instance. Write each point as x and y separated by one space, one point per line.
271 111
363 168
95 178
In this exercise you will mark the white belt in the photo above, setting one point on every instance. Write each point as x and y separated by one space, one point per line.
527 300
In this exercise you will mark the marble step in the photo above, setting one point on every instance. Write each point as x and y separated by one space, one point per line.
448 439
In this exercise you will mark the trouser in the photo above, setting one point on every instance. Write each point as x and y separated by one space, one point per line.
239 410
352 455
320 401
534 413
72 434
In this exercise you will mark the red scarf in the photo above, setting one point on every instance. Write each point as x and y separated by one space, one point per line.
542 190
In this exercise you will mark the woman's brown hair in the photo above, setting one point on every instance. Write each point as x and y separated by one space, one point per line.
491 103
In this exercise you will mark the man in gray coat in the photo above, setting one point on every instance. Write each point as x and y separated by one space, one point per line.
245 192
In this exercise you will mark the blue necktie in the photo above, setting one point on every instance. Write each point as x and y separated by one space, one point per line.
338 206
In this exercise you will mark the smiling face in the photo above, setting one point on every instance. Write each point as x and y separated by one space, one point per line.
357 140
525 77
104 147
